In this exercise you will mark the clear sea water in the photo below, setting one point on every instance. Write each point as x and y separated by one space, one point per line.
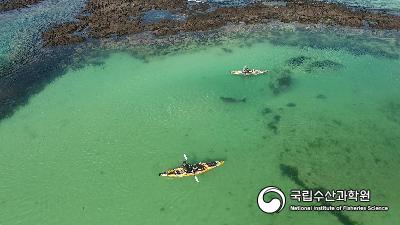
89 147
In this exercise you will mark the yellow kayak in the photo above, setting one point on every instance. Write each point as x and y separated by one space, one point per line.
198 168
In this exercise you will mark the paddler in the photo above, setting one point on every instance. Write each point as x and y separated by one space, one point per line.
246 70
187 167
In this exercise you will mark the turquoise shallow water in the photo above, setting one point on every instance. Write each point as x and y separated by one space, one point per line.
20 30
89 147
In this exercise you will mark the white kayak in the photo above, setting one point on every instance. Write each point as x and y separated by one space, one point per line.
252 72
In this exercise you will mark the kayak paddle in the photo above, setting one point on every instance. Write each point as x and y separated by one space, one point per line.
195 177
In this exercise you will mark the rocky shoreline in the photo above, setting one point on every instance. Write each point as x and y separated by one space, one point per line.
109 18
16 4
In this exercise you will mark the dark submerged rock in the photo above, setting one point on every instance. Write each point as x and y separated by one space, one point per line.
273 126
227 50
392 111
281 81
293 173
297 61
337 122
323 65
266 110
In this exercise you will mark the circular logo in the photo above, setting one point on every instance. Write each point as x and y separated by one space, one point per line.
273 206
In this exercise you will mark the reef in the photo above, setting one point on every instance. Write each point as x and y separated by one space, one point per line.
106 18
66 31
16 4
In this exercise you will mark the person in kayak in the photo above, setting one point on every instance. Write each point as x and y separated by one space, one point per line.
246 70
198 167
187 167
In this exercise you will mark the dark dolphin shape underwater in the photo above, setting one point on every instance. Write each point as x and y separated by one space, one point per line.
232 100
